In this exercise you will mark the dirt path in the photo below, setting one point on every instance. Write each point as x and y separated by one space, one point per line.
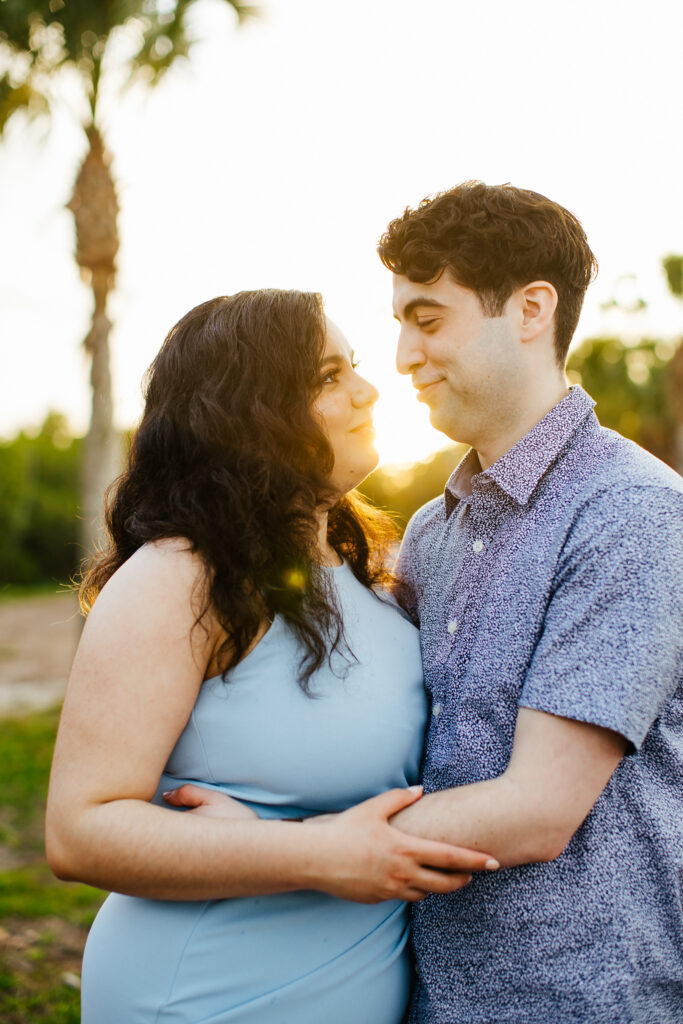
38 637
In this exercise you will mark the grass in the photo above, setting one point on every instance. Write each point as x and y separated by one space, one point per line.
32 892
43 922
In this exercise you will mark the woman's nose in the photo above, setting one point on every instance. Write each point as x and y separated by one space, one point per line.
365 393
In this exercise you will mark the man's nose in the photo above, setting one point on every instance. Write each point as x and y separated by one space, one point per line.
409 354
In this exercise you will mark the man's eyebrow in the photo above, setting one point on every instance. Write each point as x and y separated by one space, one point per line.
421 300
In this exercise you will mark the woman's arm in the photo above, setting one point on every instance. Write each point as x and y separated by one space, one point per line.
134 682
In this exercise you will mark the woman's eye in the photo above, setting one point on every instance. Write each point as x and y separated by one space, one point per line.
330 377
426 323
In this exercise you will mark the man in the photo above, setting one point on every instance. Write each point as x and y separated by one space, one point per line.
547 586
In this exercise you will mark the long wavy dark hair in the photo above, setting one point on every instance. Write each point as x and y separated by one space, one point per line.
230 456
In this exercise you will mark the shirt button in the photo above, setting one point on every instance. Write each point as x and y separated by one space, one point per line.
436 710
452 626
478 546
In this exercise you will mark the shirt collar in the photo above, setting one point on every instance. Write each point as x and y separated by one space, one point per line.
520 469
459 484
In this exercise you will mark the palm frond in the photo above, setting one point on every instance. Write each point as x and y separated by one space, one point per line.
166 37
15 23
20 97
245 11
48 34
164 40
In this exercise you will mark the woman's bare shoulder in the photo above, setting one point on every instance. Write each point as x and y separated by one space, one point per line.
165 574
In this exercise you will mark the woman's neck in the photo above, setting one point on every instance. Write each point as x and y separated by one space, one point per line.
328 556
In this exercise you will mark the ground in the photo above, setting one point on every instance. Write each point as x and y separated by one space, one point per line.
38 637
43 922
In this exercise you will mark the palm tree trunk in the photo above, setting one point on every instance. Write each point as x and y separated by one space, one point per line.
95 207
101 455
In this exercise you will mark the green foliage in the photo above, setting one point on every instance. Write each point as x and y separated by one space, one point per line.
39 481
673 268
40 37
21 97
632 389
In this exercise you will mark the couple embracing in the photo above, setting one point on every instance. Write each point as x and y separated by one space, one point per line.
272 744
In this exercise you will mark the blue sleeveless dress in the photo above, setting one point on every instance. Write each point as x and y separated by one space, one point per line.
291 958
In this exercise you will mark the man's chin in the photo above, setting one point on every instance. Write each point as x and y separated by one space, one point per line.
446 424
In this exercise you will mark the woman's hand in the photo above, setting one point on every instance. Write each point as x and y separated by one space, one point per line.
208 802
369 861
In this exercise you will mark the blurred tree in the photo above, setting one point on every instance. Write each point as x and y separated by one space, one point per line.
631 388
673 268
43 43
39 478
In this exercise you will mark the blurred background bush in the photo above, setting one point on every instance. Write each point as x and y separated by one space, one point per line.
39 500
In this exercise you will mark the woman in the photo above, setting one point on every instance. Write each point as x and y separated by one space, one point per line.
237 642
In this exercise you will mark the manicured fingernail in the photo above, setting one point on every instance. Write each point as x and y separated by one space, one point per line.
169 792
415 789
491 864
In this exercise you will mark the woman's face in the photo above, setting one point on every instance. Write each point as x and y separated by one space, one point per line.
344 406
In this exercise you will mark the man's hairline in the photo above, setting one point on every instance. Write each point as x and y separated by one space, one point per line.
446 269
425 300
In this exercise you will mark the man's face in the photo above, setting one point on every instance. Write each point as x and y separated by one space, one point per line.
465 365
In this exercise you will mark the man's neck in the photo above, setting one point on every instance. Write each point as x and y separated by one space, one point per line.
489 451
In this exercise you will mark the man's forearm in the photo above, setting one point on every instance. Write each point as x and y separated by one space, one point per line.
498 816
557 770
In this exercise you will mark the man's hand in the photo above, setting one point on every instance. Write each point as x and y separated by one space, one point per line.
367 860
208 802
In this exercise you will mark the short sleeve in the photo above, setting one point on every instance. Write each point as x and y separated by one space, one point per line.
611 649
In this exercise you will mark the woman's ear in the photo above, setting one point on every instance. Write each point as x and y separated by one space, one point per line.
538 302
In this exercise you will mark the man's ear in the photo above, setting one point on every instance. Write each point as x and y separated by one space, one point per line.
538 304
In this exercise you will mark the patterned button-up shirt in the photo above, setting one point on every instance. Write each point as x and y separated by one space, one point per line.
553 581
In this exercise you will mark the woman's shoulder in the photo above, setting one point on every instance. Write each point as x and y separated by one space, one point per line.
166 573
171 554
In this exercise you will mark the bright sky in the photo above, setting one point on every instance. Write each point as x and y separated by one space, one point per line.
278 155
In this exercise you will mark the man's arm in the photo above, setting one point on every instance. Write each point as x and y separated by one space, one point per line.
557 771
610 653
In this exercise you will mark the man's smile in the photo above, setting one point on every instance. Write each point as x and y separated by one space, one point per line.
424 390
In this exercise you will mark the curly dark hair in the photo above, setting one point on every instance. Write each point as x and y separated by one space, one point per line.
494 239
230 456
